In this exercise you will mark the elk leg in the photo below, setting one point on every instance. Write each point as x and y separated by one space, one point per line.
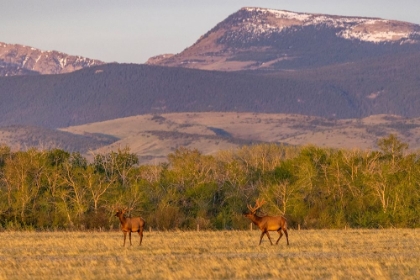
281 234
141 235
269 238
125 235
129 237
287 236
262 234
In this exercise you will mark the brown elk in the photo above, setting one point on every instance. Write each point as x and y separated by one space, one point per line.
267 223
129 225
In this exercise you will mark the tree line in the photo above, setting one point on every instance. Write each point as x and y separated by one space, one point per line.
312 187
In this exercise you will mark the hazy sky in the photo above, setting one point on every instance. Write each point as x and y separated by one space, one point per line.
131 31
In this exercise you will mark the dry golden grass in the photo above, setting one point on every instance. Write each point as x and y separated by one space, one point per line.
312 254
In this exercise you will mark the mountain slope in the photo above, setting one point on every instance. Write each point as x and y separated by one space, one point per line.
265 39
153 137
352 90
21 60
24 137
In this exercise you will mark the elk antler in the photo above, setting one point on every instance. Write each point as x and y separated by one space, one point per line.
258 204
126 209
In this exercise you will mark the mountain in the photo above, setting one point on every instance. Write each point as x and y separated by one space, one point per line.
353 90
339 67
313 79
21 60
266 39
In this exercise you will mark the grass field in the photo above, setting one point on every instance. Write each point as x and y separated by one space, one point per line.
312 254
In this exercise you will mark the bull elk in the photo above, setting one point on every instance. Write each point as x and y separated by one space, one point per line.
267 223
129 225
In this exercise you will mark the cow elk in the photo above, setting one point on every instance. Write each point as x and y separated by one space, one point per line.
129 225
267 223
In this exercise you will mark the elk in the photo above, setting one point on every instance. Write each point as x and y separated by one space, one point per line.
267 223
129 225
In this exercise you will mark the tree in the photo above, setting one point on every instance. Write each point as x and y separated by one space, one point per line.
75 194
4 201
97 185
191 175
22 177
392 148
118 164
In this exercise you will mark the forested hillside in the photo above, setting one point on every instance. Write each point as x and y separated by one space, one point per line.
353 90
313 187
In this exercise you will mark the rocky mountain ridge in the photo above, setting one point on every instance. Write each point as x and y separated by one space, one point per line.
265 21
257 38
22 60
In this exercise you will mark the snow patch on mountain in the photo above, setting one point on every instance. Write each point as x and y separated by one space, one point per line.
376 30
376 37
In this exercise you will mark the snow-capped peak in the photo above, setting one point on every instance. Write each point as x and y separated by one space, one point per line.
361 28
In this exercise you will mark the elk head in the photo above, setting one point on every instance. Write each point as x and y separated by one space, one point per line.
121 211
253 210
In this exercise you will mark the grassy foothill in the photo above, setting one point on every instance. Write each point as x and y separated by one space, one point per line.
312 254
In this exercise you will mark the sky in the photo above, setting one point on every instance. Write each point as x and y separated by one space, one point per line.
131 31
